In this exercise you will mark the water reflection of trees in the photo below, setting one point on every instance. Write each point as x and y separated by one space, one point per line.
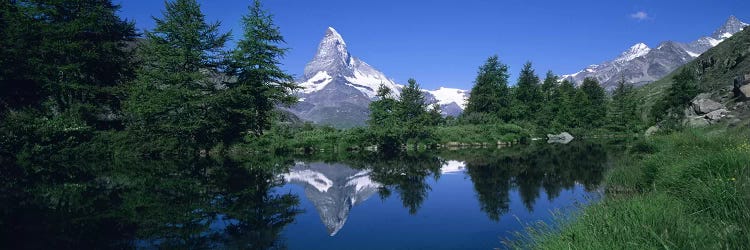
196 203
529 169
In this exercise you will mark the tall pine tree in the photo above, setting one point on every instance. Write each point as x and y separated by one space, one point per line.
412 110
71 53
261 85
490 93
623 112
527 96
550 102
174 93
594 110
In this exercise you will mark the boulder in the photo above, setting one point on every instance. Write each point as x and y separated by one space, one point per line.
742 86
652 130
705 105
696 122
563 138
716 115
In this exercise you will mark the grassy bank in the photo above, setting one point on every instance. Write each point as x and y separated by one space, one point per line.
688 190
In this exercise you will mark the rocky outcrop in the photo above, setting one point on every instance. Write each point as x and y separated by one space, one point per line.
705 105
652 130
742 87
704 111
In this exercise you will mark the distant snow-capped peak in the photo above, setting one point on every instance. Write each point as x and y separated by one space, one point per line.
635 51
445 96
731 26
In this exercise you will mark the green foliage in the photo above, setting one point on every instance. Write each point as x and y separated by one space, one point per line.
689 193
713 70
174 95
397 122
487 133
490 92
261 85
670 108
68 54
527 95
623 112
593 104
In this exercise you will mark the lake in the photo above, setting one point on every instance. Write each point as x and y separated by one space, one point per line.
451 199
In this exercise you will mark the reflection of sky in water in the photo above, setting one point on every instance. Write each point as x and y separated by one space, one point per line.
449 218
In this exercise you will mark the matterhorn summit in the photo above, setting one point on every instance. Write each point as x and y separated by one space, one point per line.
333 62
337 87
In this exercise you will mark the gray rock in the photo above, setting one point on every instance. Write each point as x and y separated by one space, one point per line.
697 122
716 114
652 130
562 138
705 106
742 86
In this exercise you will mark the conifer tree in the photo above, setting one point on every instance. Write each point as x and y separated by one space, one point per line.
565 116
595 110
679 94
174 93
72 53
385 127
490 94
434 115
382 110
261 85
527 94
623 110
550 101
412 110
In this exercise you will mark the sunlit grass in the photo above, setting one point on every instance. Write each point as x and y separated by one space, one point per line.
692 192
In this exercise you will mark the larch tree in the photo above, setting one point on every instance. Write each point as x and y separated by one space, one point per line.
490 94
528 96
261 84
174 94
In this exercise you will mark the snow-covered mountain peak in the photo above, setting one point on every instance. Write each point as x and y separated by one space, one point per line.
445 96
635 51
338 87
334 35
332 55
333 61
731 26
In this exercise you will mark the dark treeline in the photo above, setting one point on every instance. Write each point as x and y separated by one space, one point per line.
550 105
74 70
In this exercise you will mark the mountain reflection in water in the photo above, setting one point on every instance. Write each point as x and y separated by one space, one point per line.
335 189
464 199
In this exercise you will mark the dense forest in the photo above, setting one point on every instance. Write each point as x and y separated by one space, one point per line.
74 72
78 82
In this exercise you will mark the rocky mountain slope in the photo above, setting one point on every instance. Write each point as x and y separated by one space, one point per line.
338 87
723 74
640 64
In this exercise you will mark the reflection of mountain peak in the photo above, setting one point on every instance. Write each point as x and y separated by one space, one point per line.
334 189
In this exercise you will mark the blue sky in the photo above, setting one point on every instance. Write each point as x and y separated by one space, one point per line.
442 43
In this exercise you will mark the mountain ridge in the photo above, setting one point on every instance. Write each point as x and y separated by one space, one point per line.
640 64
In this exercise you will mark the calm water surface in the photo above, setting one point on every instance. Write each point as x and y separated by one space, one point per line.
466 199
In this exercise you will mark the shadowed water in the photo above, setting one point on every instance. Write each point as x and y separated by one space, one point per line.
468 199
